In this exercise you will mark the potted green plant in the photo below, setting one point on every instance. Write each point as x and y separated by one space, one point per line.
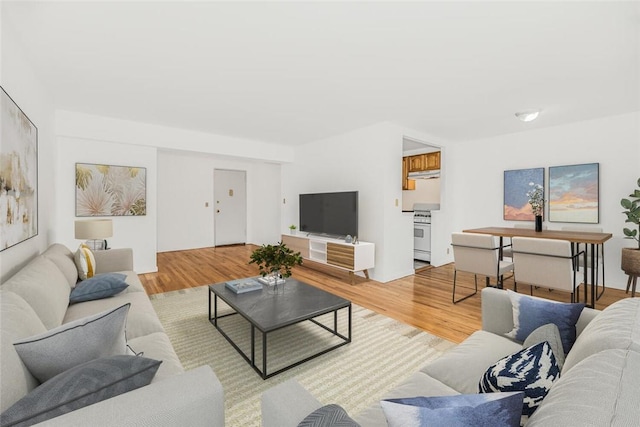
631 256
292 228
275 261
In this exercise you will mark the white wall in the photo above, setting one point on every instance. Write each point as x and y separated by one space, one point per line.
427 191
94 139
367 160
474 172
20 81
186 185
136 232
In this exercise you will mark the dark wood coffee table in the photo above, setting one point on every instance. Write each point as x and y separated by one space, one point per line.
268 311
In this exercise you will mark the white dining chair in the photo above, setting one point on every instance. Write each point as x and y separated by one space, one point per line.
599 255
478 254
507 250
545 263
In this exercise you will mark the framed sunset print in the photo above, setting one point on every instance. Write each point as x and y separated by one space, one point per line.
574 193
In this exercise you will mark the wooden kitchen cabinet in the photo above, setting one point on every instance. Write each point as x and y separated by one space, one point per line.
407 184
432 161
417 163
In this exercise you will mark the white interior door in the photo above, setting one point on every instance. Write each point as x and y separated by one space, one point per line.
230 209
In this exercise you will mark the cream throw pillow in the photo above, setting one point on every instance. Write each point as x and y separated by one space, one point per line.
85 262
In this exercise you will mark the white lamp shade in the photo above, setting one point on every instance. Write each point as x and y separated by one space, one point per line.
94 229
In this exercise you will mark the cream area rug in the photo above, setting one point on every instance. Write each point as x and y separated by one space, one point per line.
382 353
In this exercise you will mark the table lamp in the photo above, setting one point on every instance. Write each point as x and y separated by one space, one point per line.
94 231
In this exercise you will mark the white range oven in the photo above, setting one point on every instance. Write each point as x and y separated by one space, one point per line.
422 230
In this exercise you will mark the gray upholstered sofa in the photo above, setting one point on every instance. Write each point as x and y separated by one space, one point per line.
597 387
36 299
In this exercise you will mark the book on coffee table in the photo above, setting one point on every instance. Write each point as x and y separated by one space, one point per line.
240 286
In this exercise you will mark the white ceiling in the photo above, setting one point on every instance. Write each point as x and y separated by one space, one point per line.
295 72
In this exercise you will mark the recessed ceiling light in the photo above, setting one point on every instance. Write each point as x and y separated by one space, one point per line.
528 116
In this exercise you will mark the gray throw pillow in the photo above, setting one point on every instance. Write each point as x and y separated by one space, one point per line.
98 287
551 334
81 386
328 416
57 350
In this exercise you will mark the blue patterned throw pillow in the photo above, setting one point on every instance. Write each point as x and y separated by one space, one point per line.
530 313
531 370
462 410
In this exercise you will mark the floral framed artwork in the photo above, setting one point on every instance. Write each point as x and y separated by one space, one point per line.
108 190
18 174
517 183
574 193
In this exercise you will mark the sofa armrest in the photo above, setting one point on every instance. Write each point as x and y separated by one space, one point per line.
286 404
497 312
114 260
194 398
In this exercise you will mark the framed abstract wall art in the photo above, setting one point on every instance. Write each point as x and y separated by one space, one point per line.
574 193
18 174
108 190
517 182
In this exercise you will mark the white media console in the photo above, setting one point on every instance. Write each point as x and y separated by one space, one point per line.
334 252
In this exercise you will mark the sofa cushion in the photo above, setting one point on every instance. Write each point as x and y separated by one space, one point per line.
98 287
529 313
142 319
44 287
531 370
81 386
617 326
328 416
17 320
62 257
85 262
132 279
462 410
547 333
55 351
157 346
462 367
418 384
600 390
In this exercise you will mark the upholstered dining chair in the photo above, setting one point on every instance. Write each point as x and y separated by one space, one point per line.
547 263
478 254
507 251
599 255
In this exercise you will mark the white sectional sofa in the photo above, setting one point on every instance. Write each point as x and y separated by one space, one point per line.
598 385
36 299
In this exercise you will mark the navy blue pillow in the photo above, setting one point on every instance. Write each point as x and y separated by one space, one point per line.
98 287
462 410
530 313
531 370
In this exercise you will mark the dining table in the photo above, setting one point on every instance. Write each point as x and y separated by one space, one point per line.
589 239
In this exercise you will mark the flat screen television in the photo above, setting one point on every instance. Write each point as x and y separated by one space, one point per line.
334 214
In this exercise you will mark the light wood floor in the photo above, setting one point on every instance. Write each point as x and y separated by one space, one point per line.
422 300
